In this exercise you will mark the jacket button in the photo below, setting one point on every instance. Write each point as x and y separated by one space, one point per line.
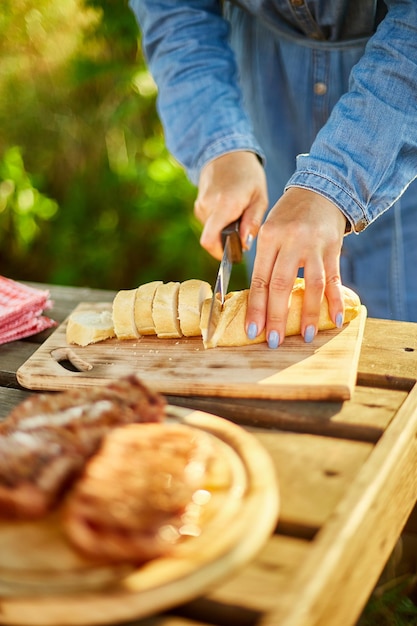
320 89
360 225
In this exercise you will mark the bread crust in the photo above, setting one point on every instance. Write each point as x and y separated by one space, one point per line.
230 322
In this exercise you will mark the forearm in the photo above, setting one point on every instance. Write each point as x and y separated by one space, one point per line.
366 155
199 99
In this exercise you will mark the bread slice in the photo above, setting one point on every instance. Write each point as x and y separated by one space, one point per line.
192 294
124 314
85 327
230 322
165 311
145 295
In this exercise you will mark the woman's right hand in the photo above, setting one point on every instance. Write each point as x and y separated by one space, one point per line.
231 186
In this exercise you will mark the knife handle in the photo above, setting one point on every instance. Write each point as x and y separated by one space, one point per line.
235 246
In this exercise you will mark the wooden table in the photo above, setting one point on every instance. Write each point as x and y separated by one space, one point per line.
347 475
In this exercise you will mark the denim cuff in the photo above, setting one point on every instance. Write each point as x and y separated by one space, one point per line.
224 145
336 193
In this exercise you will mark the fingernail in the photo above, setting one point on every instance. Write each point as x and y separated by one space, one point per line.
249 241
273 339
339 320
309 333
252 330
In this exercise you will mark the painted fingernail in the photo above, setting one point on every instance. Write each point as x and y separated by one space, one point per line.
339 320
252 330
273 339
249 241
309 333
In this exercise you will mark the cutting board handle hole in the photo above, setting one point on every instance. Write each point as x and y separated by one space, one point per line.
69 360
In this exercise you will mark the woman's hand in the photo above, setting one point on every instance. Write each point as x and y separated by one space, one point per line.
303 229
231 186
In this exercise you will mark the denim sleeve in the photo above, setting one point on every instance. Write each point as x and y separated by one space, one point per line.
365 156
199 100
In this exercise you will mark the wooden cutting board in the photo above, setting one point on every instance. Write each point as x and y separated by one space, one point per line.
43 582
323 370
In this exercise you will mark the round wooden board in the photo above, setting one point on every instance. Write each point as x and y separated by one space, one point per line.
239 522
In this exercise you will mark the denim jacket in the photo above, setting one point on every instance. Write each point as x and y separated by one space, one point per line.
331 82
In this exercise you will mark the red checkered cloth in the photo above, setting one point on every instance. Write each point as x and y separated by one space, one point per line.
21 309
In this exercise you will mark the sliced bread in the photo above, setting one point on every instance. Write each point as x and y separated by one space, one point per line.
123 314
165 311
85 327
192 294
145 295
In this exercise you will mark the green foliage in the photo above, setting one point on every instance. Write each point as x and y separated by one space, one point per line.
392 608
22 207
88 192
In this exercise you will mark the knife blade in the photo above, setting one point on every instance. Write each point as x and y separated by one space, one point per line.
232 253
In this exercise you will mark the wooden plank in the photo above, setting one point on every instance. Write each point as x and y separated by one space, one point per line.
388 355
9 398
173 620
66 298
257 586
241 600
348 553
364 418
325 369
314 474
12 356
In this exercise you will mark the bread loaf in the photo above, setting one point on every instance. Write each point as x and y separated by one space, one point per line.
230 321
174 310
85 327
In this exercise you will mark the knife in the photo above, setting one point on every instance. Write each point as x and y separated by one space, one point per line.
232 253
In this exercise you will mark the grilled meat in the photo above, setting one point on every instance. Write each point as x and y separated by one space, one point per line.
46 440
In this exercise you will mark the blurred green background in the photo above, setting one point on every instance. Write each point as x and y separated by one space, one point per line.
89 194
